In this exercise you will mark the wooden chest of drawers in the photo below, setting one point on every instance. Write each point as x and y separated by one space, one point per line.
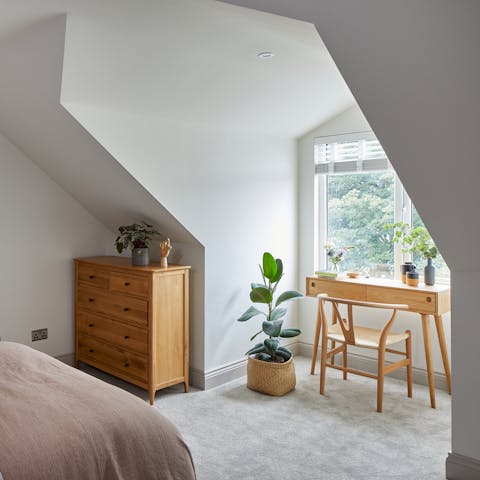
132 322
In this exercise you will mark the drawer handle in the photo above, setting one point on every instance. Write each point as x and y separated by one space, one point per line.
313 284
126 337
126 309
91 277
127 284
91 299
90 324
91 350
429 299
127 364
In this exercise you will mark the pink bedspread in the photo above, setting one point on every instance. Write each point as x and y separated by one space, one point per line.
57 423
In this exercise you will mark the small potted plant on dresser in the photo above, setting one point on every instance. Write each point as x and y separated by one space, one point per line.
138 238
270 367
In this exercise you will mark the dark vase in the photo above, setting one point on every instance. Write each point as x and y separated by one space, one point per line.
405 268
429 273
140 257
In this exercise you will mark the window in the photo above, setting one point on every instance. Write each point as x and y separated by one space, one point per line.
358 193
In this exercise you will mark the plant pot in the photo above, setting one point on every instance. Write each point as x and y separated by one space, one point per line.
429 273
140 257
271 378
405 268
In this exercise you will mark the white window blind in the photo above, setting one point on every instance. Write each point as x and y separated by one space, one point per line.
361 152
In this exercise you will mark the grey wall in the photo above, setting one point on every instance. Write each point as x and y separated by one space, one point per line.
413 66
43 228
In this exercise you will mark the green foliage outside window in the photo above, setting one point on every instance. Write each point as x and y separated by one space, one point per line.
359 205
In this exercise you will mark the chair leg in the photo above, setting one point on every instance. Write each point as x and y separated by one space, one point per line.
408 345
323 365
345 360
380 378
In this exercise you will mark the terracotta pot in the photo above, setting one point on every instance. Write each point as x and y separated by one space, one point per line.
271 378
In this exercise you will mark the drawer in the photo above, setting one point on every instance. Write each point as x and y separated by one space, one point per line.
91 276
121 307
112 358
335 288
116 333
418 301
129 284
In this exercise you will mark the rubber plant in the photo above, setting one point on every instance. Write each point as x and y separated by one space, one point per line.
270 349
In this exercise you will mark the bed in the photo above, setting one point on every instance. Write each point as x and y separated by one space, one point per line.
58 423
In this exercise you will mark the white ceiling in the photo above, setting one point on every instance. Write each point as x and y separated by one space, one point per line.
193 61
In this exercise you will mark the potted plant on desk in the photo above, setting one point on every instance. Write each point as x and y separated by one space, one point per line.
416 240
270 367
137 237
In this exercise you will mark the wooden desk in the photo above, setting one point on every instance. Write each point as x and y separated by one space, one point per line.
423 300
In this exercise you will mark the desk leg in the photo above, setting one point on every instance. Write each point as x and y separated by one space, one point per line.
315 341
428 355
443 349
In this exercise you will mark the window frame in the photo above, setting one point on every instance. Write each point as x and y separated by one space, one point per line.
403 206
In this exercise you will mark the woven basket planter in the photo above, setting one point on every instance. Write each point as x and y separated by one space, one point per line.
271 378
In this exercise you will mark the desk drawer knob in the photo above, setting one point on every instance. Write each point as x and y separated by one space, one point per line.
91 350
91 277
429 299
91 299
127 284
90 324
126 337
313 284
126 309
127 364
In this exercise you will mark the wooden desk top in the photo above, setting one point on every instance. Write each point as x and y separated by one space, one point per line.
383 282
424 299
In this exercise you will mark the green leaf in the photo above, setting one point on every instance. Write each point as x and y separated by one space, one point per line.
284 354
288 295
258 348
272 328
271 345
261 295
269 266
290 332
251 312
278 313
279 274
263 356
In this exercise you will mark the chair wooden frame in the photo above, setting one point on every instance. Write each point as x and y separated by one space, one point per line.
348 330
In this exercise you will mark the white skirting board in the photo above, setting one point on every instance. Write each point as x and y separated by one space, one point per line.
231 371
460 467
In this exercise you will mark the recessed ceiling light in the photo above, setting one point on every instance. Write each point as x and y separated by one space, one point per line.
265 55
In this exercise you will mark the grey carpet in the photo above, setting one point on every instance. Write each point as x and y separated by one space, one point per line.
235 433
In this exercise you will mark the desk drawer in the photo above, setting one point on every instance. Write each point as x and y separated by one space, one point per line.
131 310
336 288
418 301
116 333
129 284
93 277
111 358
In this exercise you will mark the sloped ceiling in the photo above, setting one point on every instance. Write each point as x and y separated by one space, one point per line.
410 67
196 61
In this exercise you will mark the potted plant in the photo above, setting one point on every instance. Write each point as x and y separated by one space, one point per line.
270 367
416 240
137 237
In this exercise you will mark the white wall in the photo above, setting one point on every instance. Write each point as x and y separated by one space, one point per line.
350 121
237 194
43 229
